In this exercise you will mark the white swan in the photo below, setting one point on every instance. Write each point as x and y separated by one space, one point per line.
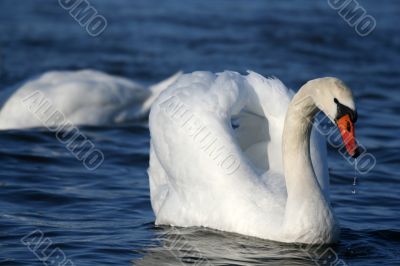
233 153
85 97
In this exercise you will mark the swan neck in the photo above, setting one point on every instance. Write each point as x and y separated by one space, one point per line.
299 174
305 203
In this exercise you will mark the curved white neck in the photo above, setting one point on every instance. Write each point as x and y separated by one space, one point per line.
305 202
298 169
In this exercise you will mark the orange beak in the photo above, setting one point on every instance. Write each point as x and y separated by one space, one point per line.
346 128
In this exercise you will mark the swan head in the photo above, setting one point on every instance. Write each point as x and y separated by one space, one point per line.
335 99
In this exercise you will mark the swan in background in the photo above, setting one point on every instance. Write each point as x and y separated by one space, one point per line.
85 97
237 153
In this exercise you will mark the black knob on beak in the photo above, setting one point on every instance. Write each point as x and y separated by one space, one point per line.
356 153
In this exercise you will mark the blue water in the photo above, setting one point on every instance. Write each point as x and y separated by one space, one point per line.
104 217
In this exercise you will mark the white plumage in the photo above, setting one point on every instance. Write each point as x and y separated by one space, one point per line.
216 157
85 97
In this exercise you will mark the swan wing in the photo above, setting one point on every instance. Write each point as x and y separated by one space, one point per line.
203 169
266 112
262 121
199 174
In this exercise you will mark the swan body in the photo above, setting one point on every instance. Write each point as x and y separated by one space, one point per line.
85 97
237 153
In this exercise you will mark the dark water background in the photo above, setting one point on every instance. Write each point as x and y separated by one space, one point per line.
104 217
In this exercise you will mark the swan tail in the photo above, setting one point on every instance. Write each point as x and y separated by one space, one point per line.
156 89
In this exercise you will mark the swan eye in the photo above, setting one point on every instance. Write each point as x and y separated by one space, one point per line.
335 100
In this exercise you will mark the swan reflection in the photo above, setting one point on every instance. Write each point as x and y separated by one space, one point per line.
201 246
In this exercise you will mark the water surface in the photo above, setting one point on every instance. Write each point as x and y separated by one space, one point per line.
104 217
